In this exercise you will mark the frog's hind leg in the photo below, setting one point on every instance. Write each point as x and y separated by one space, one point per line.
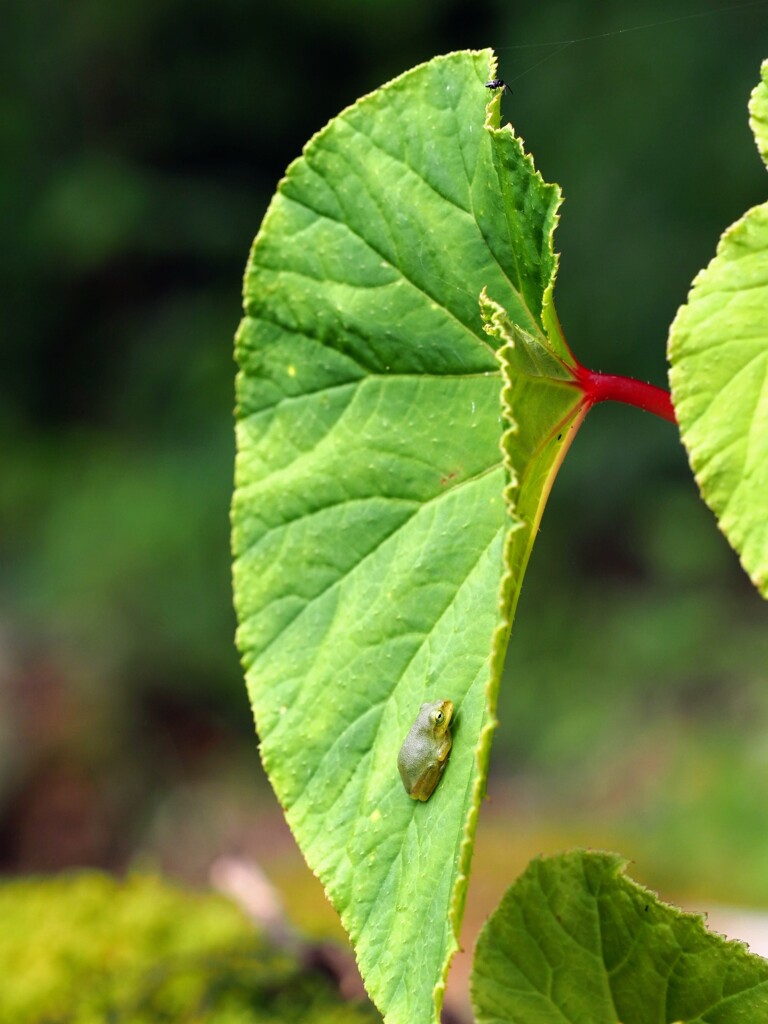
425 787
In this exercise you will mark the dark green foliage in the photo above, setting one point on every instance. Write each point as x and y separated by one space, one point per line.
141 143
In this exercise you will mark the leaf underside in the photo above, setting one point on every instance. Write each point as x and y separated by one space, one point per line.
376 560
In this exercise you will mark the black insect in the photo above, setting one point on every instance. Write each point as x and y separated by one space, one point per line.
497 83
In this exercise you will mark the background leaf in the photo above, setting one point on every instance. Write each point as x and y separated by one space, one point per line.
574 939
758 112
369 514
718 350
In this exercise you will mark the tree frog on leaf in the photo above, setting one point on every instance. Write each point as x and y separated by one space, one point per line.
424 753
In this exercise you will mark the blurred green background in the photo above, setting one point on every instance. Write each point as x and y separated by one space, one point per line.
140 145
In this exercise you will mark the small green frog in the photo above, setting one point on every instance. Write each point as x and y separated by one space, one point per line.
424 753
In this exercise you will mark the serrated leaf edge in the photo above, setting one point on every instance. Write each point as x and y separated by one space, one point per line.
509 588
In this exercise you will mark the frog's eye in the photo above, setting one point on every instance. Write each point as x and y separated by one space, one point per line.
439 716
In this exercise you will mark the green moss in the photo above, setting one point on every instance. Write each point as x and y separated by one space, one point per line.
85 949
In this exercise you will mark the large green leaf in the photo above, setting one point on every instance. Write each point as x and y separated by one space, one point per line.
718 350
575 940
369 518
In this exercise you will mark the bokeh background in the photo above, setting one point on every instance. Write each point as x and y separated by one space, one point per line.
140 143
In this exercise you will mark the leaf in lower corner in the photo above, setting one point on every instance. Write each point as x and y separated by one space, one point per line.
575 939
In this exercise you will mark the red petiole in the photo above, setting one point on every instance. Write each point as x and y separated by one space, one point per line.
603 387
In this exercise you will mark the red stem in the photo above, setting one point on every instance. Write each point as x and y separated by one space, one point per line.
602 387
